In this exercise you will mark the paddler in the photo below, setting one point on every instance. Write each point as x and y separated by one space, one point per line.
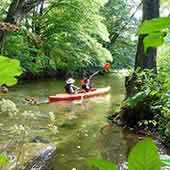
86 84
70 88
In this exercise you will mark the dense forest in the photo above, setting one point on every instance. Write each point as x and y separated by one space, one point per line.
45 45
84 34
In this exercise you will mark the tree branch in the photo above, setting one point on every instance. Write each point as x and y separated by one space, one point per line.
116 35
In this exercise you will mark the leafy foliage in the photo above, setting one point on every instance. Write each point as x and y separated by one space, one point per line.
154 25
153 40
122 48
65 37
133 101
150 104
143 156
10 68
3 7
72 37
3 159
165 160
164 58
152 99
155 30
102 164
24 47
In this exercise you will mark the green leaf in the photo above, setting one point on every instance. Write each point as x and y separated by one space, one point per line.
154 25
153 40
144 156
3 159
165 160
102 164
133 101
153 92
10 68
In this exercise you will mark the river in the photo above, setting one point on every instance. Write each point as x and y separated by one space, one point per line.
83 131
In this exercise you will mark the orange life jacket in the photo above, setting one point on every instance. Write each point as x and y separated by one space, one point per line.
82 82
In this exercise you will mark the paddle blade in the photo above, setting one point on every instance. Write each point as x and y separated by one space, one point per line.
106 66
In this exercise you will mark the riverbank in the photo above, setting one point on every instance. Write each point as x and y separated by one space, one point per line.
60 74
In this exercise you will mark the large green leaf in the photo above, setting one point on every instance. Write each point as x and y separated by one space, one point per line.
144 156
3 159
153 40
9 69
154 25
102 164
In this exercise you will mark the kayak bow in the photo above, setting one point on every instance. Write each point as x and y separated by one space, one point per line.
79 96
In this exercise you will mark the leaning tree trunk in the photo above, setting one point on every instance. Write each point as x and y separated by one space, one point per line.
144 60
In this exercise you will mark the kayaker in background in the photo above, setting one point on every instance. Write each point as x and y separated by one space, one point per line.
70 88
86 84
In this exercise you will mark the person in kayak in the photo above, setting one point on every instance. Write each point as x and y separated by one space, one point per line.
70 88
86 84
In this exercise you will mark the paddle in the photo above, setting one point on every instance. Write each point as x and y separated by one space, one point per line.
105 67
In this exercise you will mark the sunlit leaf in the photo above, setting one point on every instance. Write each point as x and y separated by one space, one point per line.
153 40
10 68
102 164
165 160
154 25
3 159
144 156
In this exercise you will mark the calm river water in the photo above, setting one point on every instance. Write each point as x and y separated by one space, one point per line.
81 134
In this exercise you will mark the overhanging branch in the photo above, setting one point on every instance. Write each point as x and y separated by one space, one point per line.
115 36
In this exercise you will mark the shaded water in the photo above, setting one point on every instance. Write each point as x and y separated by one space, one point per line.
81 134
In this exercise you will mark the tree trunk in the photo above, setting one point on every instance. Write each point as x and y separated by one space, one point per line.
148 60
142 110
144 60
17 9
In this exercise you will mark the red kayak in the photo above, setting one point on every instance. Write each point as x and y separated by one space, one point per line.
79 96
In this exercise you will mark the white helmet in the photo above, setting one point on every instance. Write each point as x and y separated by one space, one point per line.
70 81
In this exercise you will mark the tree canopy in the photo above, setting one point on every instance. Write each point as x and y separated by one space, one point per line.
50 34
